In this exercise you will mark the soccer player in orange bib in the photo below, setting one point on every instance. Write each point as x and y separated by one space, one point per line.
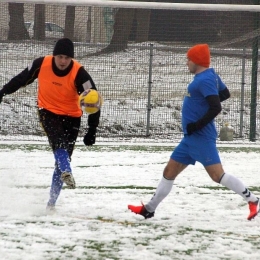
61 79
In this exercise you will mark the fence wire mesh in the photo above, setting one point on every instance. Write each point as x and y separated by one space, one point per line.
137 58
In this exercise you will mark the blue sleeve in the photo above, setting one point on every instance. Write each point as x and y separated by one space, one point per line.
208 87
221 85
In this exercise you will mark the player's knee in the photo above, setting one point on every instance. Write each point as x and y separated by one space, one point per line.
60 144
216 177
170 171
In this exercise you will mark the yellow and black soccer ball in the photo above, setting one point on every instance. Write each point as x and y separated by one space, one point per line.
90 101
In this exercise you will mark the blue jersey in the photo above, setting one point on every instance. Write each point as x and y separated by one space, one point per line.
195 105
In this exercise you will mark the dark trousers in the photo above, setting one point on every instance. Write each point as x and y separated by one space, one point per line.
62 131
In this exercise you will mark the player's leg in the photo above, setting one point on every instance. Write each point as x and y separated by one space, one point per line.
71 126
177 163
171 171
62 159
209 157
56 187
53 125
217 173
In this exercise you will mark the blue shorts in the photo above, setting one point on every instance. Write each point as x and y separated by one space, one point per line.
194 148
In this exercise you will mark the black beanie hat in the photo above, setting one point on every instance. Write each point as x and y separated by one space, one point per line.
64 46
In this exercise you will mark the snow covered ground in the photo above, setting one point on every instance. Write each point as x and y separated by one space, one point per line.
198 220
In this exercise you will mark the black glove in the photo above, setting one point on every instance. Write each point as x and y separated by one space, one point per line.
90 136
191 128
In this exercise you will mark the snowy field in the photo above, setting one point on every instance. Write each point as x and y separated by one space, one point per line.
198 220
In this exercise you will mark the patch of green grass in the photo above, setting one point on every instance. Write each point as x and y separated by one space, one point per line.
68 247
116 187
186 252
207 231
252 188
184 230
239 149
102 249
119 148
213 187
25 147
118 164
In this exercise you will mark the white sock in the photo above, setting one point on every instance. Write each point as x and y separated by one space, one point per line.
237 186
163 189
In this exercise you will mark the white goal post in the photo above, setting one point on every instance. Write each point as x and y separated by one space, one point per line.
144 5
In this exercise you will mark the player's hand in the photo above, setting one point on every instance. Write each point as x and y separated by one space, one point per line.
90 136
191 128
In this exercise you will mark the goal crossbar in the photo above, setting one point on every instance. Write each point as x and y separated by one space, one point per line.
146 5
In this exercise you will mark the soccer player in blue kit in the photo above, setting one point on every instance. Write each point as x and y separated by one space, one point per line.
201 105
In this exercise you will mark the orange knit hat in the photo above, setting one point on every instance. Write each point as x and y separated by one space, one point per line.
200 55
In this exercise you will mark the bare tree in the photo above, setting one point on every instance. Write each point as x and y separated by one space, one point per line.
122 27
39 22
124 19
17 30
143 24
69 22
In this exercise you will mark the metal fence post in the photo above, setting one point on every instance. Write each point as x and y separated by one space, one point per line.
242 93
252 133
149 107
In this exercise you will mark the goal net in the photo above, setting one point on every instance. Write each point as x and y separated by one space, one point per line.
136 55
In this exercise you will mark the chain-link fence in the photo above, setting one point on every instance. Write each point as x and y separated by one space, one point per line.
137 58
